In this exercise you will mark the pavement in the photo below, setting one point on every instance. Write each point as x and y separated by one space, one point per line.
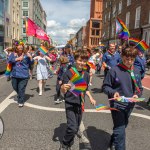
40 124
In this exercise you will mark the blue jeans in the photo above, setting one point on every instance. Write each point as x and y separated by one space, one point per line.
120 121
19 85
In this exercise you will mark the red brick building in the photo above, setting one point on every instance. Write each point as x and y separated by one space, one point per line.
134 13
94 24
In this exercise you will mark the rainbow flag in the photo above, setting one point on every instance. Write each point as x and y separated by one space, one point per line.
118 27
104 107
78 85
8 69
43 50
124 33
140 45
128 99
91 65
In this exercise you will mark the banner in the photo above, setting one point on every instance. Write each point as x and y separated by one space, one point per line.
34 30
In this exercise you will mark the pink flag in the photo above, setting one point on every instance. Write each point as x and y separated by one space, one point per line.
34 30
40 34
30 27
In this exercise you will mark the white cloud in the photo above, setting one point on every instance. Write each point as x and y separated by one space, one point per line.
52 24
76 23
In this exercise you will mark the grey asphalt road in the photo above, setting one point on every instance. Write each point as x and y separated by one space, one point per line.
38 127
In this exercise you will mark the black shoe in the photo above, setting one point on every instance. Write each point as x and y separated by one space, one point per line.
112 147
64 147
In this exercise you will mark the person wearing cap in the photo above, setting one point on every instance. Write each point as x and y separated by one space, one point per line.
111 58
122 80
21 61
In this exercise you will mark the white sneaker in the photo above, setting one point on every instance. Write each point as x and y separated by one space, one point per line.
40 93
90 84
58 101
20 105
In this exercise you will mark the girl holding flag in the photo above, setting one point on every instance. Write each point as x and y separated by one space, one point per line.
42 72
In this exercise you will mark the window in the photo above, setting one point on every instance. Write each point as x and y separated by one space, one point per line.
149 18
137 17
25 4
13 16
14 36
109 16
23 30
93 32
25 13
114 11
128 2
23 21
127 19
105 18
97 32
95 24
113 29
120 7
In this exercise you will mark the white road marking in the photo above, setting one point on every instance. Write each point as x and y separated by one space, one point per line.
2 77
146 88
8 101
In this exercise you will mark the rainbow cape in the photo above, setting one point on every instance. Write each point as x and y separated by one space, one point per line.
128 99
122 30
140 45
104 107
8 69
43 50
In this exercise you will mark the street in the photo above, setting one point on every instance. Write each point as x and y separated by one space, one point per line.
40 124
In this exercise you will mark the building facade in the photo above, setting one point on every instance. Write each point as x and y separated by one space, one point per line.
32 9
80 36
1 25
94 25
134 13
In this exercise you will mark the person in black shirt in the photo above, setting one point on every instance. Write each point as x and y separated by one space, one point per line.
74 104
119 82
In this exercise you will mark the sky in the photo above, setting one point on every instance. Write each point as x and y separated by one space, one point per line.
65 17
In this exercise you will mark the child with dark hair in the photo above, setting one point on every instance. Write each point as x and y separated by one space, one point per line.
122 80
64 66
74 105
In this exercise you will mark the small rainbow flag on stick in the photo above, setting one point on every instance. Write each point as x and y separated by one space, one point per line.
8 69
128 99
43 50
140 45
91 65
104 107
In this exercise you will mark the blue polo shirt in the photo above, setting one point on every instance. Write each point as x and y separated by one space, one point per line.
111 60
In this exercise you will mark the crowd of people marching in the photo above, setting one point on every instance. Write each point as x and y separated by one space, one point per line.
124 68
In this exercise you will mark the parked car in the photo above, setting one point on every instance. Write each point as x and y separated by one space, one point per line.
3 62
